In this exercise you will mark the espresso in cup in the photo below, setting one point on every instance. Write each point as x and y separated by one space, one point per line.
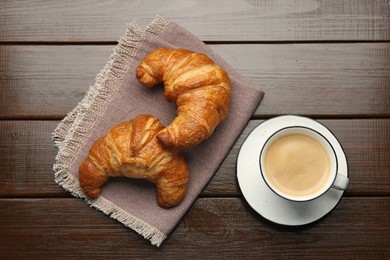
299 164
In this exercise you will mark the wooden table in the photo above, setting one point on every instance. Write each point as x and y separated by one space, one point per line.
326 59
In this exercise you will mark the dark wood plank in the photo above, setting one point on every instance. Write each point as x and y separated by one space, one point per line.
316 79
27 156
231 20
47 80
68 228
321 80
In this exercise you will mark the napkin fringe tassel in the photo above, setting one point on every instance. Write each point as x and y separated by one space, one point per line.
72 132
155 236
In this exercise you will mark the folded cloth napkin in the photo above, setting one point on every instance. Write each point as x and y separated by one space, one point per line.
117 96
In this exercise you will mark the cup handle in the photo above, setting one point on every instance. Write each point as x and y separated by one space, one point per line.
341 182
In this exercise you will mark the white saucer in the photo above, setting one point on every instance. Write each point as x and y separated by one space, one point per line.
266 202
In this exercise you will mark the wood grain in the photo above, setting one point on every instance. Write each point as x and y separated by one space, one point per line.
321 80
327 59
71 229
27 157
46 80
227 20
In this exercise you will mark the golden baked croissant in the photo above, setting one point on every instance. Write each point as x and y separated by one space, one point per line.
200 88
130 149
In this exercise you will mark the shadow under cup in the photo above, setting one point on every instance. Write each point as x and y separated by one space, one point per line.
299 164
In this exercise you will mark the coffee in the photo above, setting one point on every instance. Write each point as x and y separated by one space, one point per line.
297 164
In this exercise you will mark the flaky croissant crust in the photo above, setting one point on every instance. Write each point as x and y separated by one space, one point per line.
130 149
201 89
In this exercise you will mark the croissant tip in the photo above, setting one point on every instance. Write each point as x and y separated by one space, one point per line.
165 205
139 72
163 138
168 203
144 78
93 194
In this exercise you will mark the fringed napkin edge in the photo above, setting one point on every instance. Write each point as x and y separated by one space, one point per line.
71 134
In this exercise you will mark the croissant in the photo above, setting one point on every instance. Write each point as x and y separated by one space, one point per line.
130 149
200 88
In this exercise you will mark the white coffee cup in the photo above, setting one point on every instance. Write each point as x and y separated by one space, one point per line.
299 164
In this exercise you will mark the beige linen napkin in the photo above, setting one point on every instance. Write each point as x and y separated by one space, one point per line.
118 96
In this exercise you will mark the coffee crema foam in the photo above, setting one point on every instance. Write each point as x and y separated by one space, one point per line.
297 164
